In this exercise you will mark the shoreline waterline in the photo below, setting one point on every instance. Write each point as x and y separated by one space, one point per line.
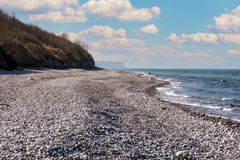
167 91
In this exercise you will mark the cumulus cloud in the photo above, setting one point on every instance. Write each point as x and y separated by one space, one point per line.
139 14
67 16
120 42
115 43
230 38
96 31
149 29
233 53
169 51
204 38
153 50
204 55
121 9
103 37
196 38
176 39
229 22
103 31
36 4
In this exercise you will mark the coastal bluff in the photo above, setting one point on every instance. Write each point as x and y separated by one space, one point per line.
25 45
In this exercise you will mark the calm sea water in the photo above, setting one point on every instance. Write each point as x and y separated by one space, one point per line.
217 90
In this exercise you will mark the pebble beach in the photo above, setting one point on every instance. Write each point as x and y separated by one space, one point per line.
76 114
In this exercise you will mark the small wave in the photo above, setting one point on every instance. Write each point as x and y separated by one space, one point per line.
216 98
214 107
185 96
174 94
160 79
161 89
228 109
171 93
176 85
225 99
171 79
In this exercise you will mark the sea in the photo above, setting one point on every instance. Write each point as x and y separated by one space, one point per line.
216 91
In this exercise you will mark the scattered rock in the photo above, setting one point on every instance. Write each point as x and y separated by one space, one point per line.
30 79
182 155
57 151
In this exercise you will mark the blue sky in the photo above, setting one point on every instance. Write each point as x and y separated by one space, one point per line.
143 33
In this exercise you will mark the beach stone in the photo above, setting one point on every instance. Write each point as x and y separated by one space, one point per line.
208 155
56 151
182 154
30 79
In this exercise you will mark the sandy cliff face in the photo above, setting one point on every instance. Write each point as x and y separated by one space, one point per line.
23 45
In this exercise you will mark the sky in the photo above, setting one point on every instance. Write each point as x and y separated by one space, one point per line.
143 33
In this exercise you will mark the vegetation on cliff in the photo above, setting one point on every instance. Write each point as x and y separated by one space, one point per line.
24 45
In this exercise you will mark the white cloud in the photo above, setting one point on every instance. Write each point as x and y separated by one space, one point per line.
204 38
176 39
115 43
149 29
103 31
153 50
229 22
204 55
121 42
67 16
230 38
233 53
196 38
139 14
121 9
104 37
96 32
36 4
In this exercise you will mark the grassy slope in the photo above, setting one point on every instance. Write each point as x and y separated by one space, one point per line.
23 45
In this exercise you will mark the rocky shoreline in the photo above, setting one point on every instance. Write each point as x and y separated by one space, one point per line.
78 114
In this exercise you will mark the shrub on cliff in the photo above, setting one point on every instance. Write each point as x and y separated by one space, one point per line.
25 45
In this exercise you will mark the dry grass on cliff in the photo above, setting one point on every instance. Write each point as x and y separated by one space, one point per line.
23 45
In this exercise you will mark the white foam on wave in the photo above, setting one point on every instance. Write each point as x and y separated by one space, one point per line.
171 79
161 89
204 106
171 93
225 99
143 74
160 79
214 107
185 96
228 109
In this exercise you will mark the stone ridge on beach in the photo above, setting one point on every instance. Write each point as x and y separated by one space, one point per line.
78 114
